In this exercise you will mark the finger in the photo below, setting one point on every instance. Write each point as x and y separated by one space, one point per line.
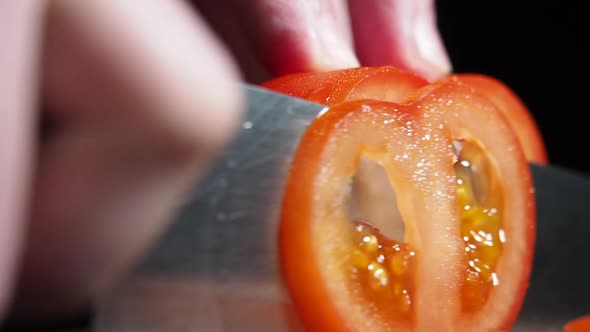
287 36
303 35
399 33
19 32
142 98
232 28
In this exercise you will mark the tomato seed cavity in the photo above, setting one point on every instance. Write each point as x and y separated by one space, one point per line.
480 205
385 267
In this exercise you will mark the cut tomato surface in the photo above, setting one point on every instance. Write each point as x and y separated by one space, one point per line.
463 191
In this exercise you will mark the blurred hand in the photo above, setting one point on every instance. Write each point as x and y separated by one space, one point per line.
273 37
137 101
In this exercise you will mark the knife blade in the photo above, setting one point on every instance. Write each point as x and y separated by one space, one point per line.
219 258
216 267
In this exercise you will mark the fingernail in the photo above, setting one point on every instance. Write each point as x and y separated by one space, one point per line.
432 59
330 35
304 35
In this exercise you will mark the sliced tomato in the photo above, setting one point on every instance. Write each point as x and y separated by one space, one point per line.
333 87
580 324
464 193
391 84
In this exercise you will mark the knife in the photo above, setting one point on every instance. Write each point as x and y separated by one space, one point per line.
216 267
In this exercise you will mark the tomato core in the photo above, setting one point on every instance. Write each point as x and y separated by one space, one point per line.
479 196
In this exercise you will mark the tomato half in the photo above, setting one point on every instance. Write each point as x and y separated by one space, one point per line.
464 193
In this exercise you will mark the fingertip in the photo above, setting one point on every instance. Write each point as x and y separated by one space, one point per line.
433 61
400 33
305 36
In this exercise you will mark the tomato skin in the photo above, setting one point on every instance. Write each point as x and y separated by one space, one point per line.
322 315
580 324
515 111
333 87
464 112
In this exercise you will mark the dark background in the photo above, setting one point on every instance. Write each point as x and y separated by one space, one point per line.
537 48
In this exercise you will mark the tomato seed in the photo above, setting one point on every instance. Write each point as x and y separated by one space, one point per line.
480 208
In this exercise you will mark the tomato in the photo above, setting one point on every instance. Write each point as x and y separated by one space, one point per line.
581 324
464 193
332 87
392 84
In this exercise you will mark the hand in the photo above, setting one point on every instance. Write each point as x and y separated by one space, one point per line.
136 102
273 37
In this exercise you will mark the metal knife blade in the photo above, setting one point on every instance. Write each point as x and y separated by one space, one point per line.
560 289
225 226
216 269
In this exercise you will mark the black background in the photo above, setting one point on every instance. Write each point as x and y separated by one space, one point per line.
538 49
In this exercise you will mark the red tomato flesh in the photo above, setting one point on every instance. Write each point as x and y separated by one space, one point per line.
464 192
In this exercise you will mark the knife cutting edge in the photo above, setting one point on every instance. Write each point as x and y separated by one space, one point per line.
216 268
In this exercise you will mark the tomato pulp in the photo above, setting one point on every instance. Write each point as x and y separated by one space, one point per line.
463 191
